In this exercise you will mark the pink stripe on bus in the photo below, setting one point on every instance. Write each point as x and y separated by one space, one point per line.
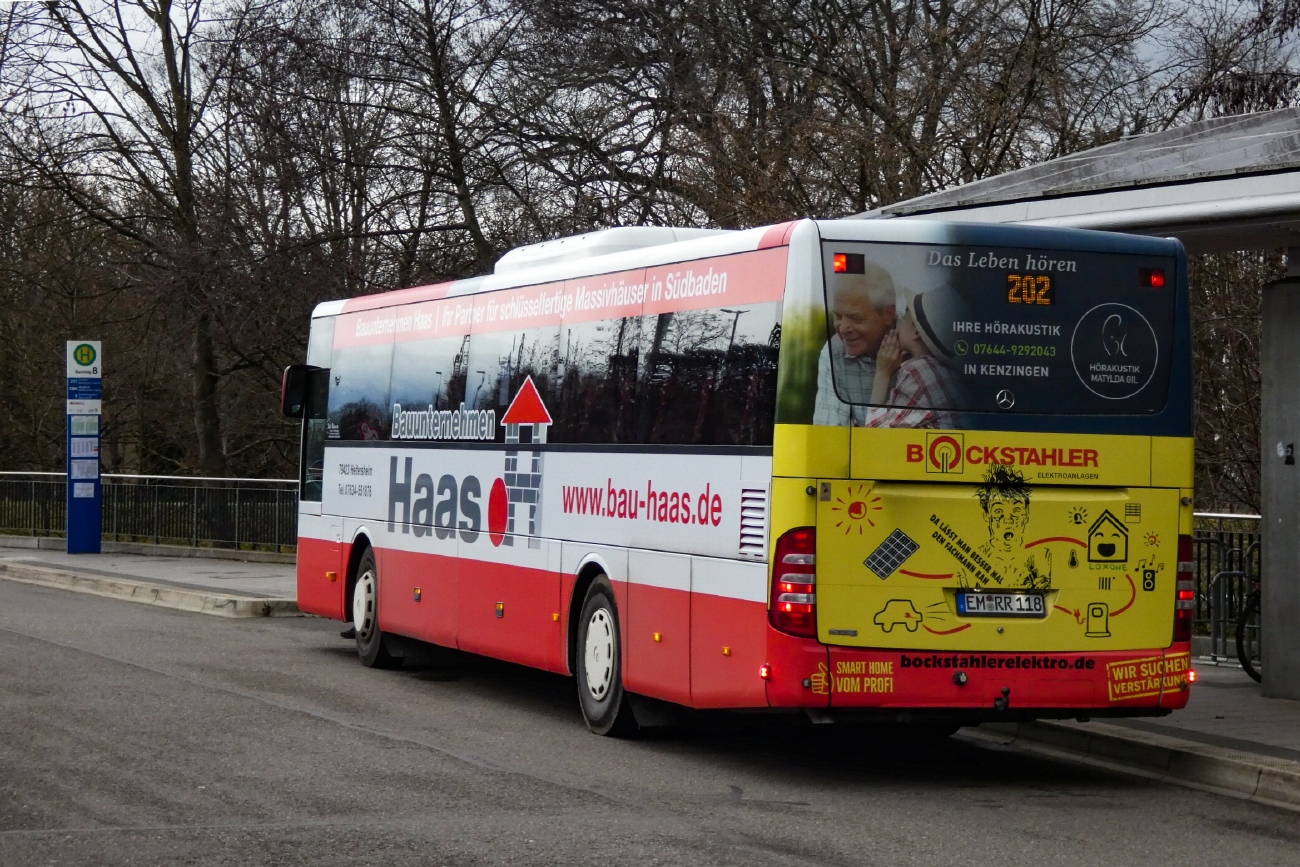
720 281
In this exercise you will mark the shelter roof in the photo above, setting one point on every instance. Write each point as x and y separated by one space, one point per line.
1224 183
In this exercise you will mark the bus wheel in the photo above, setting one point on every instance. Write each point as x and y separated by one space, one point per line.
365 615
600 658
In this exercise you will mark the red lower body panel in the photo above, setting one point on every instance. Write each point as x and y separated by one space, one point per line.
799 671
430 613
511 613
728 647
710 651
657 643
316 593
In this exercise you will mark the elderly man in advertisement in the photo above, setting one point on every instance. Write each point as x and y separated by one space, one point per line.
862 313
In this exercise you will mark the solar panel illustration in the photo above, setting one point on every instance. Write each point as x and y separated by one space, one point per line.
891 554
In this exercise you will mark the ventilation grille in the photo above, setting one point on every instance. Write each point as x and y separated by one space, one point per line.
753 523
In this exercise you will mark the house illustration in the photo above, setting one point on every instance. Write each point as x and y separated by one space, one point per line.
1107 540
526 421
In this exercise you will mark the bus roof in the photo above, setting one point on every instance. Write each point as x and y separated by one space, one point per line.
616 249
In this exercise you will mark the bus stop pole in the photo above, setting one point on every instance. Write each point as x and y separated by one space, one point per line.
85 402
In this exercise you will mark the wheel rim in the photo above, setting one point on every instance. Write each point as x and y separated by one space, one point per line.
363 604
599 654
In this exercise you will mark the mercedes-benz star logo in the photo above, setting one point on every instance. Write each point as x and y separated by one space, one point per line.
1006 399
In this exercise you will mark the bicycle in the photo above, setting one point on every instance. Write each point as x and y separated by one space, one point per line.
1248 638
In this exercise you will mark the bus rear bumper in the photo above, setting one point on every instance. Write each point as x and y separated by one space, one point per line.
1007 686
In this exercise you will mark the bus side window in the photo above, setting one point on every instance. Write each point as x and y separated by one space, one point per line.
315 419
598 388
358 393
500 361
430 373
708 377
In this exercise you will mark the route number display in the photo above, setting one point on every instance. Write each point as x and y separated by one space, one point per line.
1030 289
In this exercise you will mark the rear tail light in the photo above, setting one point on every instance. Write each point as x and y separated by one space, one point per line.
1185 590
794 583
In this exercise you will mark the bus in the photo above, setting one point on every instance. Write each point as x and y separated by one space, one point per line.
860 470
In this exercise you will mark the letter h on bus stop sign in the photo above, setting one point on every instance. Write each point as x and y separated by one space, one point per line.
85 368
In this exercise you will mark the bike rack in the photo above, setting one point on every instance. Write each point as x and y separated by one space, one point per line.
1219 613
1221 598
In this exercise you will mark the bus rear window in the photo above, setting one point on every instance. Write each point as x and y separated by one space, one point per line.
919 334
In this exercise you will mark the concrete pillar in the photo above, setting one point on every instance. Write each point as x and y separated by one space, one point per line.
1280 482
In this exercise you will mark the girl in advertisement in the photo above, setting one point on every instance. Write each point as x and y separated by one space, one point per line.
914 385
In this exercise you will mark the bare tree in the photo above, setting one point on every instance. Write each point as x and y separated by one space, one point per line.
1229 58
186 175
748 112
1226 293
112 99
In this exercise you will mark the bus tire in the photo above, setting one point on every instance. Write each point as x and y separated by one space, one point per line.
605 705
365 615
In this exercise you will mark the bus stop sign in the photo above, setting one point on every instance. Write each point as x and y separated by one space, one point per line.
85 401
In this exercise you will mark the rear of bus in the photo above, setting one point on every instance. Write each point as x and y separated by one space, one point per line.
1005 533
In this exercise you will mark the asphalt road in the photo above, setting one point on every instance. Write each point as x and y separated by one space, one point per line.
142 736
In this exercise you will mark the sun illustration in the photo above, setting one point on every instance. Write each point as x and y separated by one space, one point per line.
1153 540
857 509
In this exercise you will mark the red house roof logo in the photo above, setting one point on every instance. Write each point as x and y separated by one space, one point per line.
527 407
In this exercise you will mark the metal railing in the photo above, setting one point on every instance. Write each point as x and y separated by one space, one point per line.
1227 564
175 510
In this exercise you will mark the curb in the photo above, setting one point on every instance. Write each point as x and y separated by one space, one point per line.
1264 779
181 599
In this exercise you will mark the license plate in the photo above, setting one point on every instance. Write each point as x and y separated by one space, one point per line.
1002 604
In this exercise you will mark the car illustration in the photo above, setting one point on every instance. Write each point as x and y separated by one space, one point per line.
898 611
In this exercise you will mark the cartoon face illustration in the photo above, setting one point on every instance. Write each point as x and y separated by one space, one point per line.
1004 497
1007 518
1004 500
1107 540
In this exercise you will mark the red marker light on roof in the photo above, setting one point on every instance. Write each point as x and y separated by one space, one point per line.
1152 278
849 263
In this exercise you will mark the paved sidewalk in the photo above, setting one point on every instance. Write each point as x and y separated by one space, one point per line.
231 588
259 580
1227 709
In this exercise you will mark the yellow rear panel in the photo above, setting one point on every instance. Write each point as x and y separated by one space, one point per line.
893 555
